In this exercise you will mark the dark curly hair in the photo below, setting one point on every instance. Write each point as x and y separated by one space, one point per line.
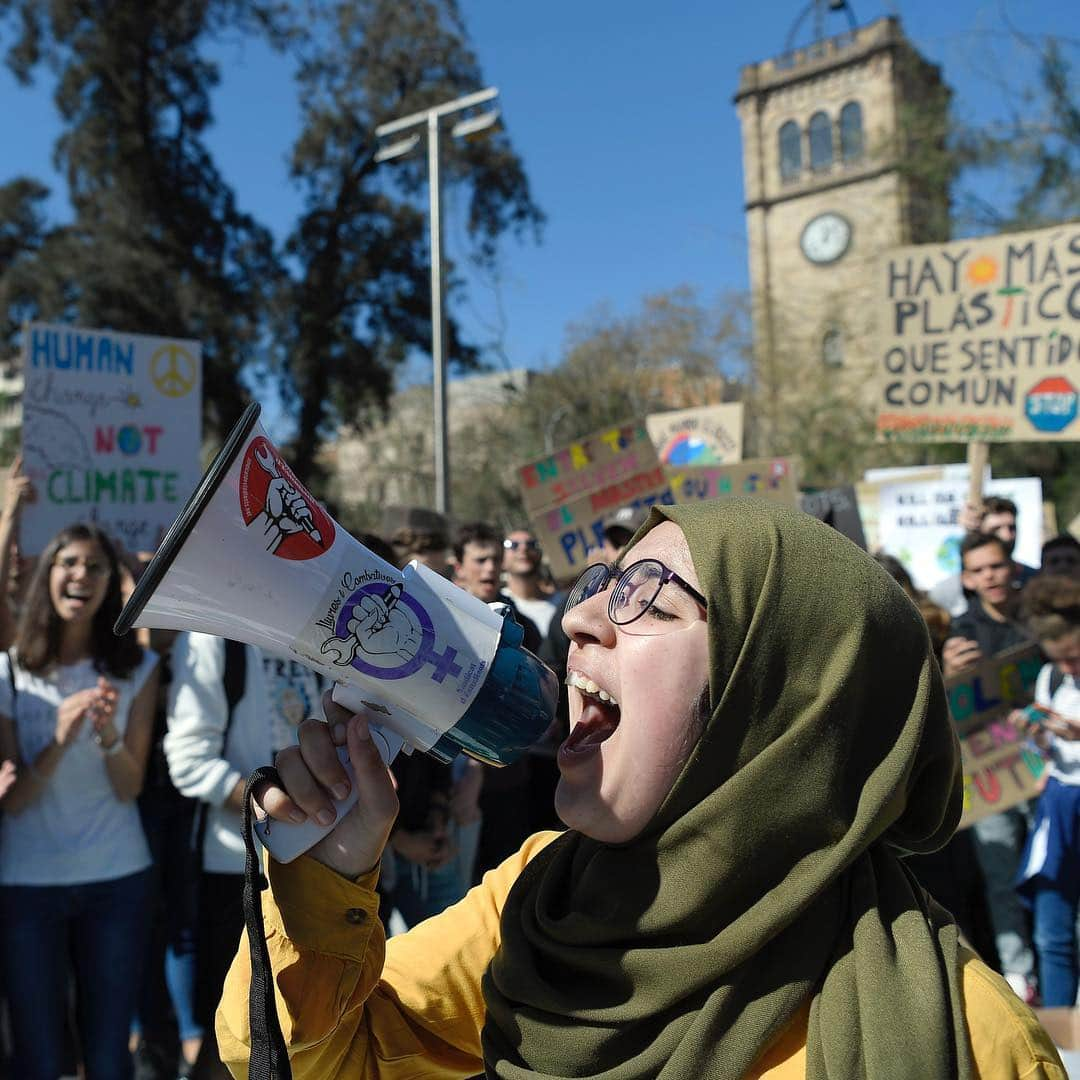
38 638
1050 606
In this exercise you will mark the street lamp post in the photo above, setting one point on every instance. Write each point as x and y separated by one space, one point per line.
431 119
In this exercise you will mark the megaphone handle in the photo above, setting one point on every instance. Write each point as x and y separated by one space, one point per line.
286 841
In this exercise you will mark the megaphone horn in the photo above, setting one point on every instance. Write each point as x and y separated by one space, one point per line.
254 557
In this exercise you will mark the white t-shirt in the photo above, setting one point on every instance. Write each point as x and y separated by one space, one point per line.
541 611
77 830
1064 755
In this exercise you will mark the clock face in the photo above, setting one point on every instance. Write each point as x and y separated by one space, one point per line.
825 238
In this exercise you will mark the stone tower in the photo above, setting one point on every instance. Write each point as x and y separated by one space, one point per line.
839 142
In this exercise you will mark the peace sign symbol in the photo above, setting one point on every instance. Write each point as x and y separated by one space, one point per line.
173 370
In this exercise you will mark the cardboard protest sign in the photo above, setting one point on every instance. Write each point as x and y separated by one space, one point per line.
838 507
1000 768
769 478
918 522
111 430
710 435
599 460
979 338
570 493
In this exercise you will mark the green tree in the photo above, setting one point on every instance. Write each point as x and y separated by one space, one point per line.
157 242
1036 147
359 298
673 352
27 249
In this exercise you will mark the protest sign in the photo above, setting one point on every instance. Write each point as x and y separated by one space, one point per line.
918 522
710 435
1000 768
570 493
596 461
111 430
892 473
869 491
838 507
769 478
979 338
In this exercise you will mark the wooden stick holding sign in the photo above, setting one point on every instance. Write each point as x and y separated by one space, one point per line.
978 455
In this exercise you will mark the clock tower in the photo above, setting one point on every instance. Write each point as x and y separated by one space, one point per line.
835 135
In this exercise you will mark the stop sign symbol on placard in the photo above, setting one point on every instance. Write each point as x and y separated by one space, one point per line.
1050 405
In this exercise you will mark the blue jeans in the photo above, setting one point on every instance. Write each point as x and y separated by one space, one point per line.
420 893
100 928
999 841
1055 938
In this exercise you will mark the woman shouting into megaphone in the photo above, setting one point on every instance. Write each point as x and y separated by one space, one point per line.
759 736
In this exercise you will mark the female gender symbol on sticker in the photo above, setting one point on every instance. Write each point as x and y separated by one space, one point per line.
384 632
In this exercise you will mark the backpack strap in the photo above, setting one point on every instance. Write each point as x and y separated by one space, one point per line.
11 680
1057 677
234 680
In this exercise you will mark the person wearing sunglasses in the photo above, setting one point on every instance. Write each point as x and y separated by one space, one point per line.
760 734
521 561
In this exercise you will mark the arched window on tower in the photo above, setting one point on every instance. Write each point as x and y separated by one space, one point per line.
832 348
820 142
851 133
790 151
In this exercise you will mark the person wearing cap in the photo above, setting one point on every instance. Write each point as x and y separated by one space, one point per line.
619 527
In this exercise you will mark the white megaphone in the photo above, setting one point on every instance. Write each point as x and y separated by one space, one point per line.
255 558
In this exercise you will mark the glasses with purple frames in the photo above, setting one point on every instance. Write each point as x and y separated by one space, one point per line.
636 589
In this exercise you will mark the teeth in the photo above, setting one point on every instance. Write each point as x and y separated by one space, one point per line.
588 686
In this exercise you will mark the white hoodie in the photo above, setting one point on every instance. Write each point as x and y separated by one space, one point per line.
200 765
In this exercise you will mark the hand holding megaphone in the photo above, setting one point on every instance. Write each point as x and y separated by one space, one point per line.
316 782
253 557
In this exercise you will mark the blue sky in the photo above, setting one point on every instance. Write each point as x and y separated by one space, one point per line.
621 110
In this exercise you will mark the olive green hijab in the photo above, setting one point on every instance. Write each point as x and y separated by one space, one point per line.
770 874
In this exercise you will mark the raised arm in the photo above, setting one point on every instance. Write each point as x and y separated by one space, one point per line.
17 489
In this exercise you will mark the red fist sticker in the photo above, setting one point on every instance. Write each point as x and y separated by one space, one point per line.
293 524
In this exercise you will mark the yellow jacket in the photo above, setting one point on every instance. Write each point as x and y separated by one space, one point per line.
345 1013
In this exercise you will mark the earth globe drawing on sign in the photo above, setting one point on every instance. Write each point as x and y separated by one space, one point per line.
948 555
687 449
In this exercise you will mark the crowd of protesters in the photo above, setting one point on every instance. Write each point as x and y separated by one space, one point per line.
124 762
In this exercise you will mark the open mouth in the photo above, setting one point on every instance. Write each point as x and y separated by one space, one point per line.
599 719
